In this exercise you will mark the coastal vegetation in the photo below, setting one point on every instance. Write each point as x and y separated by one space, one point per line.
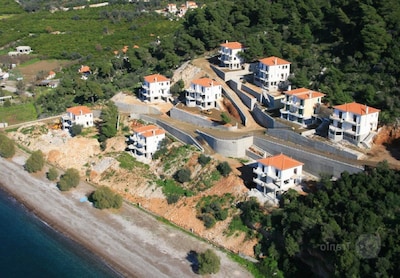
52 174
35 162
105 198
7 146
209 262
69 179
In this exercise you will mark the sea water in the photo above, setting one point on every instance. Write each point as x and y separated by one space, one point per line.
30 248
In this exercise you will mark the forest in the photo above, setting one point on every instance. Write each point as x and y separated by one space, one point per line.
347 49
346 228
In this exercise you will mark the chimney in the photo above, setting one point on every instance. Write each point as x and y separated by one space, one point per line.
276 61
366 109
154 132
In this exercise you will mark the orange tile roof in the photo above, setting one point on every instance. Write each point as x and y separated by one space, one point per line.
149 130
273 61
84 69
233 45
205 82
304 93
155 78
79 110
51 72
280 161
356 108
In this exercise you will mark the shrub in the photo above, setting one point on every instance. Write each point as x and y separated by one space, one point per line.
69 180
7 146
203 160
104 198
224 168
208 219
76 129
183 175
209 262
52 174
225 118
35 162
172 198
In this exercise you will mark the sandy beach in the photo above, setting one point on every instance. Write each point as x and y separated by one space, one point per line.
130 240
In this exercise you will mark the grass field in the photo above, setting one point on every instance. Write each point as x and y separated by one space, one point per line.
18 113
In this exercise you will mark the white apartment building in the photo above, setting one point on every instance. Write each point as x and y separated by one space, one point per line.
230 55
353 122
203 93
271 72
78 115
301 105
146 140
276 174
156 87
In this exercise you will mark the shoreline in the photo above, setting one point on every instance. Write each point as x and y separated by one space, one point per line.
115 267
130 242
69 238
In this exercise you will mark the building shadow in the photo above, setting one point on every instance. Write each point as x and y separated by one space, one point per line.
194 262
246 174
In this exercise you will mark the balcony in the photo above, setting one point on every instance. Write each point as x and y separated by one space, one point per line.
259 171
284 111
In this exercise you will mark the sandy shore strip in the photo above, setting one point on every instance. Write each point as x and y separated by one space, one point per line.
130 240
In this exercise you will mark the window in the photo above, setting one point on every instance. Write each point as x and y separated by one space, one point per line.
354 118
340 115
339 125
276 172
295 171
353 128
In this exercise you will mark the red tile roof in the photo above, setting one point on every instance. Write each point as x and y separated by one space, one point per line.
356 108
149 130
79 110
304 93
155 78
84 69
280 162
205 82
233 45
274 61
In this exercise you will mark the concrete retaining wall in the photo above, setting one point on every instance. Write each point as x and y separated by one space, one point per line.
246 99
228 147
313 163
294 137
265 120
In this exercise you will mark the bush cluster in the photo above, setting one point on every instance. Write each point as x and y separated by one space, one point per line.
69 180
209 262
105 198
35 162
7 146
224 168
203 160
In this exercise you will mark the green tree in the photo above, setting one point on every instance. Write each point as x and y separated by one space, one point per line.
109 117
203 159
225 118
35 162
224 168
209 262
7 146
183 175
104 198
69 179
76 129
52 174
